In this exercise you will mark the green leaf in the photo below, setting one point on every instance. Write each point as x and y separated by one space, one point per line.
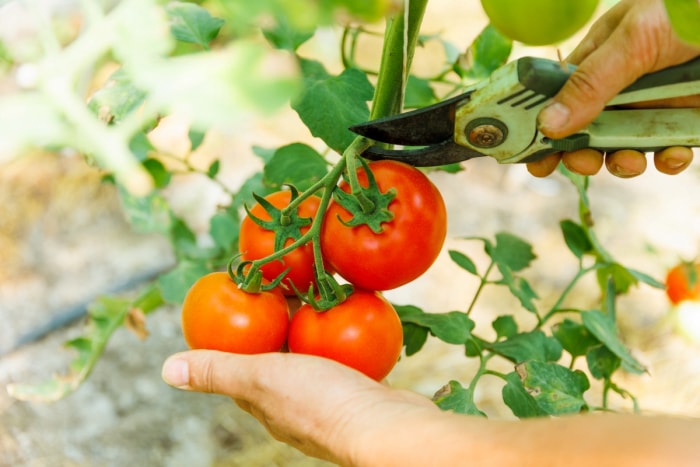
196 138
685 18
161 176
519 288
574 337
453 327
646 279
621 277
175 283
223 228
265 154
557 389
489 51
116 99
146 214
534 345
454 397
419 93
192 23
295 164
505 326
576 238
602 363
285 35
328 104
510 251
140 146
603 327
519 400
463 261
213 169
414 337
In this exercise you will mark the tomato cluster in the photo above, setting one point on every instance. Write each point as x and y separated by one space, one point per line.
363 330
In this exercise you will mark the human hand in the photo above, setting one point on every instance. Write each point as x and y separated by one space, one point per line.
318 406
633 38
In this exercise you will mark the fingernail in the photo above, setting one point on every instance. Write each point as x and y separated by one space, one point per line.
176 372
622 172
554 116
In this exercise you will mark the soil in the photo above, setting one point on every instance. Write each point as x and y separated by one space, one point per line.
64 240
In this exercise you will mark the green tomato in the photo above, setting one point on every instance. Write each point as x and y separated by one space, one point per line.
539 22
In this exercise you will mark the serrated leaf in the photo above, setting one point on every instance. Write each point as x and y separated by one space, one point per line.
602 363
621 277
175 283
574 337
455 398
603 327
463 261
295 164
489 51
557 389
453 327
519 288
419 93
414 337
510 251
285 35
146 214
519 400
192 23
505 326
116 99
576 238
223 228
329 104
534 345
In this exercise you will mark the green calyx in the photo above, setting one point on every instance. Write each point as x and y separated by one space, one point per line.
249 278
286 224
367 205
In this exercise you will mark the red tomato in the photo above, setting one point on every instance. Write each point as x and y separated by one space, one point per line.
217 315
256 242
408 245
364 332
683 282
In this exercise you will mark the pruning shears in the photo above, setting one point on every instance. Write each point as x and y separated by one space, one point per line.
497 117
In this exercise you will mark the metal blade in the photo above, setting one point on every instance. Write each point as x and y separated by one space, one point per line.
446 152
429 125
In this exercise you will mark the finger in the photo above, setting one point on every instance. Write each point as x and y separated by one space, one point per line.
626 163
673 160
598 33
583 161
544 166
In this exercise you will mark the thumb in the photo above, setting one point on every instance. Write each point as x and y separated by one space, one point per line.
206 371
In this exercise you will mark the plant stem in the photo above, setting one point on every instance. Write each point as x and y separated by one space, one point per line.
482 284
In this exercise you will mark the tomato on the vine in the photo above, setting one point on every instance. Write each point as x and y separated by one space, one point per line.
683 282
256 242
363 332
408 244
218 315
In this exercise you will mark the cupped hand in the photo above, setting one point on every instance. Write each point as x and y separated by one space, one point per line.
318 406
632 39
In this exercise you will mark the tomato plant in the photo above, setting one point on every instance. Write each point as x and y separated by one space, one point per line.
218 315
539 22
363 332
683 282
407 243
258 239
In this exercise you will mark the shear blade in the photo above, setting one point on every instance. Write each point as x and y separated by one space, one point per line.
429 125
446 152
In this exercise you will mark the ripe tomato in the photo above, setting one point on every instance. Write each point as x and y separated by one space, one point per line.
256 242
408 245
363 332
217 315
683 282
539 22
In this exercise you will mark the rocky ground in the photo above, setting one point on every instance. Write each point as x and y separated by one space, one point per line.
64 241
